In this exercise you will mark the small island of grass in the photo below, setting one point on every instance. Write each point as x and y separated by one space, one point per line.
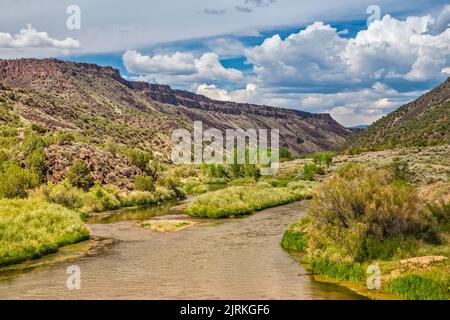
238 200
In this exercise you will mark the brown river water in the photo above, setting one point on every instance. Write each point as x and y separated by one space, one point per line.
227 259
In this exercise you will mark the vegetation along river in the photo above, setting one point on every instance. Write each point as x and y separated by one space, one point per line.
222 259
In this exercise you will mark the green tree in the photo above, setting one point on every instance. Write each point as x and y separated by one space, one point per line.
285 154
80 176
15 181
31 142
33 149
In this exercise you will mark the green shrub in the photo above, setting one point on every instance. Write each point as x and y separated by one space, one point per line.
213 170
35 161
111 146
138 157
33 150
263 184
189 185
285 154
3 157
62 193
31 229
441 212
80 176
400 169
362 214
31 142
373 249
323 158
199 189
294 238
163 194
16 181
138 198
309 171
144 183
100 199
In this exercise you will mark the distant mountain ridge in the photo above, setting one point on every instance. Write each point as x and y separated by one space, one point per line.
98 103
422 122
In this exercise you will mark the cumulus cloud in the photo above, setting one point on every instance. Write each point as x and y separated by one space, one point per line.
388 50
244 95
29 37
312 56
391 48
318 69
179 68
352 108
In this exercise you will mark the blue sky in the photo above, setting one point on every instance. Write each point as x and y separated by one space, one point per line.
317 56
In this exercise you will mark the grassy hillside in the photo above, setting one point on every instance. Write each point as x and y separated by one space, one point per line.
423 122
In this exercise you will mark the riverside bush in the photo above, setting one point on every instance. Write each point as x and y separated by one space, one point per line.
362 214
235 201
144 183
100 197
16 181
62 193
189 185
30 229
294 238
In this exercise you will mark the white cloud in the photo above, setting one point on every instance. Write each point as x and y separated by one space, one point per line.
226 47
311 56
318 56
348 108
399 49
179 68
29 37
107 27
244 95
357 80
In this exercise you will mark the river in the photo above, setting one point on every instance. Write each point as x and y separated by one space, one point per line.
226 259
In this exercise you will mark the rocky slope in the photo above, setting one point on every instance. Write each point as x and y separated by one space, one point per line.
98 103
425 121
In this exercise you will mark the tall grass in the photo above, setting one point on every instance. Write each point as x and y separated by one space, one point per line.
424 286
30 229
236 201
100 197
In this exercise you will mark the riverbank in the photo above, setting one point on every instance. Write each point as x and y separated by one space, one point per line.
383 223
31 229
